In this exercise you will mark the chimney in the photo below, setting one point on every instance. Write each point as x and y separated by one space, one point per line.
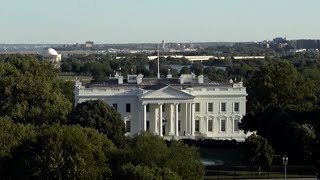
181 79
139 78
169 76
200 79
120 79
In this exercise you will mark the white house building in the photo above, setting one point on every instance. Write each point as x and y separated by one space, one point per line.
184 107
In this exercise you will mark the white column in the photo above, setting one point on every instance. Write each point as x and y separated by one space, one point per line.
192 119
171 120
160 120
186 120
177 119
156 111
232 122
144 117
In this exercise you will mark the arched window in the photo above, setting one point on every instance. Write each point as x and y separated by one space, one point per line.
210 124
236 122
223 123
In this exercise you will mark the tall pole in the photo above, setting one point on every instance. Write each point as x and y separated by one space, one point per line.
285 163
158 61
285 172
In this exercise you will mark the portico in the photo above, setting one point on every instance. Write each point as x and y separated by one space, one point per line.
168 112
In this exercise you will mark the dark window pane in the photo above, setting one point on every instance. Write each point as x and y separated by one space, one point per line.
223 125
197 107
128 107
128 126
197 125
223 107
148 107
236 125
115 106
148 125
210 125
210 107
236 107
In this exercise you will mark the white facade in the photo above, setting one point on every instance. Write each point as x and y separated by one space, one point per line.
187 107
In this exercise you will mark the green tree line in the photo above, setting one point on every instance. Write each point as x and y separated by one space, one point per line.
43 137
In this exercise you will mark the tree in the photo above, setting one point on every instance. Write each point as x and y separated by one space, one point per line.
184 160
139 172
67 88
283 132
215 75
69 152
185 70
30 92
12 135
259 153
100 116
279 84
149 150
152 151
197 68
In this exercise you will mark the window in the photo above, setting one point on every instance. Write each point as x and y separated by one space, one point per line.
236 125
223 125
197 125
197 107
179 125
210 107
128 126
210 125
236 107
128 107
163 108
148 125
223 107
179 108
115 106
148 107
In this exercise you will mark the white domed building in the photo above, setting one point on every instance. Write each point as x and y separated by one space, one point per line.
52 56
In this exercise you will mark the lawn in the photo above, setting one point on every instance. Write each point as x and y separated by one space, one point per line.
234 169
223 174
230 156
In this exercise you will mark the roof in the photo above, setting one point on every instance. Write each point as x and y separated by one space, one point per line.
167 92
155 83
50 52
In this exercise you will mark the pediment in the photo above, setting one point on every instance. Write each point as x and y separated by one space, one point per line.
167 92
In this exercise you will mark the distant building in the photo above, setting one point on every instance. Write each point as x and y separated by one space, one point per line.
187 107
280 40
280 43
89 44
52 56
305 44
248 57
163 45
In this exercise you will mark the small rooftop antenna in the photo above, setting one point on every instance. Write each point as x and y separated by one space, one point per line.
158 60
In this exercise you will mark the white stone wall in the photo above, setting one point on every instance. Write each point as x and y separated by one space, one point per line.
205 95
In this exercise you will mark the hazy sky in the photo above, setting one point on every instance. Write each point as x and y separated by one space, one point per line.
122 21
